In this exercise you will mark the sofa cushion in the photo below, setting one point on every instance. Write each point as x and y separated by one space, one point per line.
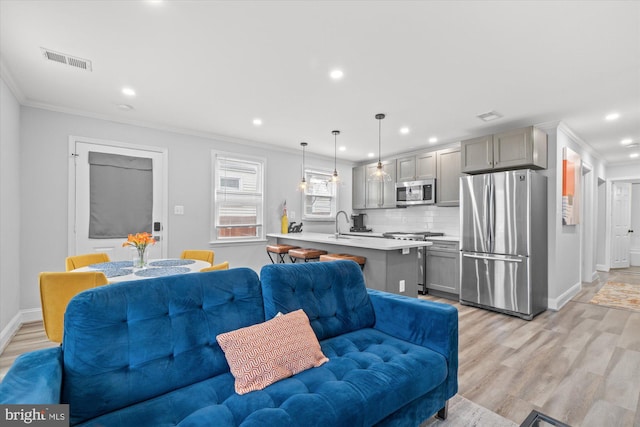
332 294
130 342
369 376
262 354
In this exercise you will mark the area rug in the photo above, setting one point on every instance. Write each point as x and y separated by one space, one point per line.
618 295
465 413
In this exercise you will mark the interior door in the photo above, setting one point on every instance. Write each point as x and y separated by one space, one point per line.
81 194
621 224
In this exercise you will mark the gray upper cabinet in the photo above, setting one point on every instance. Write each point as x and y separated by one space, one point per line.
477 154
359 186
406 169
518 148
448 180
426 165
381 195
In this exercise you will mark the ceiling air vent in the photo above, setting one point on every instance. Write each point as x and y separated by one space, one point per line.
488 116
63 58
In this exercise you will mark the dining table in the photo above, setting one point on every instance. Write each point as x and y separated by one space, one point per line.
123 271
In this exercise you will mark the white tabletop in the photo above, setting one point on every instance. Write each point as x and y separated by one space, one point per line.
121 271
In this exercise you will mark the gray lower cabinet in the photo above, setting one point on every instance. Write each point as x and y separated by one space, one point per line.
443 269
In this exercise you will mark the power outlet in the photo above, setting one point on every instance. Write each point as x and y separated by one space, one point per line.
292 215
178 210
401 285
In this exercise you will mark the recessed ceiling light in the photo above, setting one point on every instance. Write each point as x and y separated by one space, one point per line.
626 141
433 140
371 154
634 155
404 130
125 107
336 74
342 148
257 122
489 115
612 116
128 91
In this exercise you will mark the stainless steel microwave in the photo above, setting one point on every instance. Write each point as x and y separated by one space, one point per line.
416 192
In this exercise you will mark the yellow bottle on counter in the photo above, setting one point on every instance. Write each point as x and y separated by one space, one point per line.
284 221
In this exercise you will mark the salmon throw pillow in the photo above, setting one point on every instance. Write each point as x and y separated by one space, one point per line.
262 354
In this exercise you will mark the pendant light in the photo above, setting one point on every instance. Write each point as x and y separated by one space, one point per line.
379 174
303 183
335 177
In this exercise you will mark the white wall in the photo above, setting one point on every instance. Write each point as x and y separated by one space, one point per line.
10 241
43 175
565 242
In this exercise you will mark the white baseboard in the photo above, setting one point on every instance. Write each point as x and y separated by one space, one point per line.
23 316
602 267
556 304
595 276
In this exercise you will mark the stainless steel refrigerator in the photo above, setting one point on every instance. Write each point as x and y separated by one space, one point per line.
503 242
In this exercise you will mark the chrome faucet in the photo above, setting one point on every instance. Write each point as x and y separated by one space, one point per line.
337 226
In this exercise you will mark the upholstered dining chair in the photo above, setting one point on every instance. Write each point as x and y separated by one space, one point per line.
201 255
221 266
56 290
77 261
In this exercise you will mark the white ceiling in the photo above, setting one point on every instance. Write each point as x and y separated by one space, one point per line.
211 67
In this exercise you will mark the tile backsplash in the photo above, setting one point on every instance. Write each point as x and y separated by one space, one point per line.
416 218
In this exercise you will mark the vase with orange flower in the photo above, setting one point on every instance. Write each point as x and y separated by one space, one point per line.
140 241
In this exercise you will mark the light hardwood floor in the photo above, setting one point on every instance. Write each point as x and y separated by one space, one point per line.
580 365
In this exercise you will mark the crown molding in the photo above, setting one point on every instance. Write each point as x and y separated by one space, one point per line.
175 130
560 125
7 77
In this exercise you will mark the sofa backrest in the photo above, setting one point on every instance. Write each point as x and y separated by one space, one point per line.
128 342
332 294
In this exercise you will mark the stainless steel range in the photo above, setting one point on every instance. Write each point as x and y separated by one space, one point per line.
422 255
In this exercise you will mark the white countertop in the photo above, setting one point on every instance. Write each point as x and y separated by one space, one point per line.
373 234
354 240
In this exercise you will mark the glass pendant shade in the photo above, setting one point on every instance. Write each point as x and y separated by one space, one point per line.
379 175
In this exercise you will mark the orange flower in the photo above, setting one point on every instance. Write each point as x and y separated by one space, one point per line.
140 240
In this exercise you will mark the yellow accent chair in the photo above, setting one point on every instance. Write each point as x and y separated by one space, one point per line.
78 261
200 255
221 266
56 290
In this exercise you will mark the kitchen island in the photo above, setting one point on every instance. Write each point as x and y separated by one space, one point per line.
391 264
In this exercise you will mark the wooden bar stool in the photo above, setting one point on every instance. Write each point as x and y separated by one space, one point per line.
334 257
280 251
305 253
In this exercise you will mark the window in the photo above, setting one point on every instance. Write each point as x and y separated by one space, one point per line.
319 196
238 201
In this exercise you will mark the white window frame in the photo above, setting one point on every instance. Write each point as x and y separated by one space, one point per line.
217 194
333 196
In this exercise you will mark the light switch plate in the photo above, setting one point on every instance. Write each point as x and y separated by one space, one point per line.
178 210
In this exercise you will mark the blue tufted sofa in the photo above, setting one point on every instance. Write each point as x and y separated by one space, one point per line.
145 353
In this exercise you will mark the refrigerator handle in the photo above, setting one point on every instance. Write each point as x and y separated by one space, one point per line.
493 257
487 217
492 214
